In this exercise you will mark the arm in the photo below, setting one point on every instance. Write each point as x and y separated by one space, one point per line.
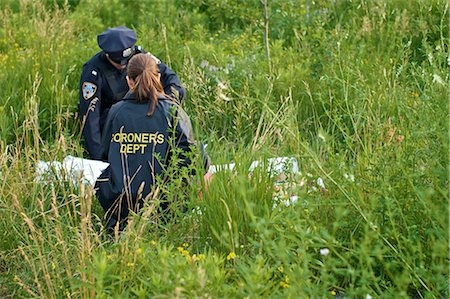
89 106
171 83
106 140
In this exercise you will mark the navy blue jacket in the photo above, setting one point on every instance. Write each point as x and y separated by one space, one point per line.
138 148
101 86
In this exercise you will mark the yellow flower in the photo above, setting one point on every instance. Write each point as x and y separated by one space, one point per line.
196 258
201 257
139 251
284 285
180 249
153 242
231 256
280 269
130 264
333 293
185 245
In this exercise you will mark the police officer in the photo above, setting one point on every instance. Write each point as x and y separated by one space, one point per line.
103 82
138 141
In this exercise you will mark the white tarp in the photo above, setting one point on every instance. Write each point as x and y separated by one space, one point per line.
274 165
71 168
86 170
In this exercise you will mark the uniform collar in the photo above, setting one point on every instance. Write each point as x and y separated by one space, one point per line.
130 96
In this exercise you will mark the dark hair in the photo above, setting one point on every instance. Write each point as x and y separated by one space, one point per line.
145 83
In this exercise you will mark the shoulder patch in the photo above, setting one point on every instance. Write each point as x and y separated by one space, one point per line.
94 72
89 90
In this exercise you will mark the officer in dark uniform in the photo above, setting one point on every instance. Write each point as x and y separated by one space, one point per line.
103 82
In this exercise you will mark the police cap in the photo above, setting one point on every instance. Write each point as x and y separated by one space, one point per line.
118 43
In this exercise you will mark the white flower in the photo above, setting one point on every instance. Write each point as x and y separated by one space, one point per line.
349 177
293 199
324 251
438 79
320 183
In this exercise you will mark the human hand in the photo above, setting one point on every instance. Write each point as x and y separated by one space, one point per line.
207 178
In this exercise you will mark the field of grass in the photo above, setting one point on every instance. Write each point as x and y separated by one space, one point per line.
356 91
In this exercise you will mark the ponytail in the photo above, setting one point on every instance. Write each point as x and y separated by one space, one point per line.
145 83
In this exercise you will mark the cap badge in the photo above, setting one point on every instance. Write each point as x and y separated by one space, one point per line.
127 52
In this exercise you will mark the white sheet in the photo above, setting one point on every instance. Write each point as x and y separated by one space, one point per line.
86 170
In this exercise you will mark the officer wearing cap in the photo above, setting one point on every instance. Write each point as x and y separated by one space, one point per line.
103 82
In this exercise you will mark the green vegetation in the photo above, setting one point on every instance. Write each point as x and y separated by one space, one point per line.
357 91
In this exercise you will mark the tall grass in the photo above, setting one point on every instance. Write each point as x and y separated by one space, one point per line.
357 93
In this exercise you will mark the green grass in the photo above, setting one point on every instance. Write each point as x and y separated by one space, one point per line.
357 91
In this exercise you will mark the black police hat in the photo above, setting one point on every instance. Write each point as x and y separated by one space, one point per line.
118 43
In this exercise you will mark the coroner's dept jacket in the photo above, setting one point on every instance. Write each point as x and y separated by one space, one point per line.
137 146
101 86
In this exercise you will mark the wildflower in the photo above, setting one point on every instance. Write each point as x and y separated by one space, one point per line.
284 285
180 249
139 251
320 183
198 210
153 242
201 257
185 245
324 251
130 264
231 256
368 296
293 199
196 258
333 292
349 177
280 269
